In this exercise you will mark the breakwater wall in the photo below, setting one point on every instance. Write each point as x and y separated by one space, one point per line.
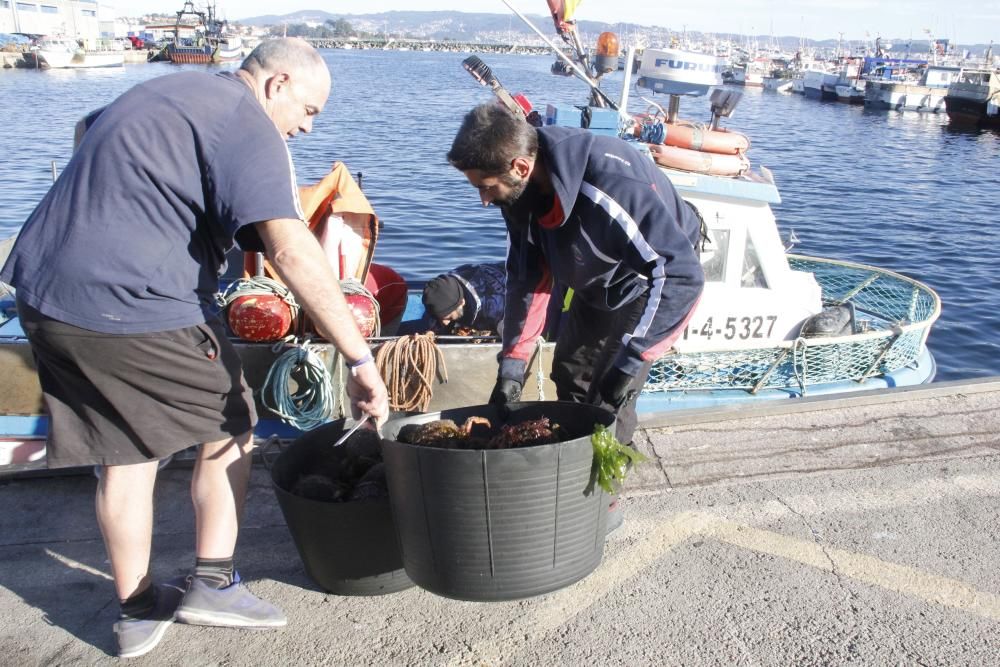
427 45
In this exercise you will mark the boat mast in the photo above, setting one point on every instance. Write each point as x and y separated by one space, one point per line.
17 20
187 9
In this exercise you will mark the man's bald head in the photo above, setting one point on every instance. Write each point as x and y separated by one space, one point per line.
283 55
290 80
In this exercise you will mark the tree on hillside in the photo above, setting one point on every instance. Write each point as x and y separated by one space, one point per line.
292 30
330 30
341 28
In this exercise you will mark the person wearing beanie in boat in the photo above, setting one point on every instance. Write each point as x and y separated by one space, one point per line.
469 298
593 215
116 272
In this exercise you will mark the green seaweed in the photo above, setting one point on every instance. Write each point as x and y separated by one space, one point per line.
612 460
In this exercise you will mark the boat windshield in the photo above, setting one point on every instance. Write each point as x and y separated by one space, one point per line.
753 276
713 257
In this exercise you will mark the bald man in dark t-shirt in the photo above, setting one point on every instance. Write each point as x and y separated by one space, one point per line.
116 271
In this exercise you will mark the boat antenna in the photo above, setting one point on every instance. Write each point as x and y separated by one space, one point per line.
600 94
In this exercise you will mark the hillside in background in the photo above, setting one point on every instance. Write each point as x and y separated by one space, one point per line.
507 29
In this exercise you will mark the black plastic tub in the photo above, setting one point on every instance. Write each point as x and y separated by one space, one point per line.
499 524
348 548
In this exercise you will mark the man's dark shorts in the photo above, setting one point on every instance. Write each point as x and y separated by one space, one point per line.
120 399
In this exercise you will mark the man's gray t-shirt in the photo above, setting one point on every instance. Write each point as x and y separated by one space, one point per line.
133 234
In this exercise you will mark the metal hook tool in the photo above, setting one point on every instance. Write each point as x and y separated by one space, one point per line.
342 439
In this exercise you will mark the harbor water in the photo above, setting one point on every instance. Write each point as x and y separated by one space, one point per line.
902 191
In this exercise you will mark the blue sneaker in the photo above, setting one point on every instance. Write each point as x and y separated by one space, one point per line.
138 636
232 606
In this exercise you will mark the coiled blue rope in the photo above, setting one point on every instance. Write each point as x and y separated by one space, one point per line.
653 133
311 404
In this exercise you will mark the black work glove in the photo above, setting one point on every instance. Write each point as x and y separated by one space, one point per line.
614 387
506 391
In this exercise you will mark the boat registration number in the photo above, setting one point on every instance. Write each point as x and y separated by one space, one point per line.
732 328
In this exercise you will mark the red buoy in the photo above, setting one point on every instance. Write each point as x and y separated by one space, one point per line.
259 318
364 313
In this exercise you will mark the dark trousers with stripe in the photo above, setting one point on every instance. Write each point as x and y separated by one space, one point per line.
588 343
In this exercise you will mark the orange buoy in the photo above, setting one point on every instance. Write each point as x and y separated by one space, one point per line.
684 135
685 159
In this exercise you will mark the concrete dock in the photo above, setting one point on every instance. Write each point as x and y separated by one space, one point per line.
824 531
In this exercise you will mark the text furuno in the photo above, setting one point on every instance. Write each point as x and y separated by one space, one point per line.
683 64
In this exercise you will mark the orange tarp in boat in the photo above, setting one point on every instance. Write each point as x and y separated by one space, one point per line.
343 222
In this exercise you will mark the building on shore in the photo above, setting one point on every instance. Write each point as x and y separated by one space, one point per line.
77 19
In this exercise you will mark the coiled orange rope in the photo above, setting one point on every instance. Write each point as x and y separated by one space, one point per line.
408 366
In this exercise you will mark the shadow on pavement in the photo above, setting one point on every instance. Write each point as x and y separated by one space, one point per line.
55 562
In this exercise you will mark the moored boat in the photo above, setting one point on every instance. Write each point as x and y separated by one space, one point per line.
973 99
209 51
852 92
64 53
922 88
781 82
752 73
213 44
819 84
798 83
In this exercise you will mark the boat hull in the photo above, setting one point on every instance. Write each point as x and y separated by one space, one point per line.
202 55
825 94
850 94
883 96
970 112
778 85
819 85
65 60
920 371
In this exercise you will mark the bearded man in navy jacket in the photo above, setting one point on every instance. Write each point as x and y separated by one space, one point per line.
593 214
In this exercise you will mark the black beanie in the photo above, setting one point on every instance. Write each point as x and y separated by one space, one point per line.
442 295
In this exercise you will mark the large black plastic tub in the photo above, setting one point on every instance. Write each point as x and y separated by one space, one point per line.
347 548
499 524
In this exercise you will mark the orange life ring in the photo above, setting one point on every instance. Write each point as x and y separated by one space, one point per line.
686 159
720 141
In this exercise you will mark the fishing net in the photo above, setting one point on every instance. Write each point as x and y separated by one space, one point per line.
893 316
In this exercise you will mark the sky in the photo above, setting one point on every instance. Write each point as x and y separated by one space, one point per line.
962 21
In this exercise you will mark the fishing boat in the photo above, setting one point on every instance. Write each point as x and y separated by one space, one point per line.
973 99
213 44
907 87
53 52
771 325
780 79
849 87
820 83
752 72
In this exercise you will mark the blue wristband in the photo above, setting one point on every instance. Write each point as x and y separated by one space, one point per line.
362 361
